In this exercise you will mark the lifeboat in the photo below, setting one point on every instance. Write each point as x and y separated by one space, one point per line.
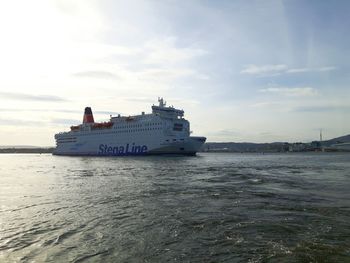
102 125
75 128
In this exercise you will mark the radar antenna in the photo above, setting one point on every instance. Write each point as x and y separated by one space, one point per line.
162 103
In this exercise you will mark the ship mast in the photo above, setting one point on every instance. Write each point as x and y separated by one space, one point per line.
162 103
321 146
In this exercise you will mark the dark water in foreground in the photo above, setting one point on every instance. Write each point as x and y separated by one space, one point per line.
209 208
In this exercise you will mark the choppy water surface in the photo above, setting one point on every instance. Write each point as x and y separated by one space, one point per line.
209 208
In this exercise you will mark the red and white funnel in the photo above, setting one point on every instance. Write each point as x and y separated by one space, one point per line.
88 117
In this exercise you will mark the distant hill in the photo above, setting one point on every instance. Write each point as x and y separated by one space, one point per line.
245 147
345 138
268 147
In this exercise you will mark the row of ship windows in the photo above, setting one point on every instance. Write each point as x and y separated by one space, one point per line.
137 130
124 131
62 141
174 140
138 125
68 138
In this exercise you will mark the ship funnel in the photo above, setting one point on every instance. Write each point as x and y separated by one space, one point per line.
88 117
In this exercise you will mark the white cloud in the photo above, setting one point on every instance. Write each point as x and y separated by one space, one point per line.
292 92
266 104
95 74
30 97
302 70
122 55
164 51
265 69
164 74
272 70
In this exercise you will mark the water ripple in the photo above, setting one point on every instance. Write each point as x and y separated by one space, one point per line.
210 208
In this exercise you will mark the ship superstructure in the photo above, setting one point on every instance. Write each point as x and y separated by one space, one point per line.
164 131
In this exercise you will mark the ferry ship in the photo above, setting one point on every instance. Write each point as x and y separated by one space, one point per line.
164 131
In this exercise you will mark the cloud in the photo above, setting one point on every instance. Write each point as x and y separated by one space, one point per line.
158 60
140 99
17 122
105 112
265 69
65 122
225 133
266 104
302 70
325 108
55 121
57 110
273 70
292 92
164 51
96 74
165 74
30 97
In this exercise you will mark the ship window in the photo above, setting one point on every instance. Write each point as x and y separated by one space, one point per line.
174 140
178 127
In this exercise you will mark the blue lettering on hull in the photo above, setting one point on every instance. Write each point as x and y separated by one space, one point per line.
132 149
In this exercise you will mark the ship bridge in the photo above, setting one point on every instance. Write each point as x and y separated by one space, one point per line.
167 112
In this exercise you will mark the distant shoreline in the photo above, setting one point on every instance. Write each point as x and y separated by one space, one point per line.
51 149
227 147
27 150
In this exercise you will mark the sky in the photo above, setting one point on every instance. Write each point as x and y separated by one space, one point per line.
243 71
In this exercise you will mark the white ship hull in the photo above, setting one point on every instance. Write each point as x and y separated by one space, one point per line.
133 146
164 131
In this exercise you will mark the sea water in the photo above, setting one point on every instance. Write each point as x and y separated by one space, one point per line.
214 207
